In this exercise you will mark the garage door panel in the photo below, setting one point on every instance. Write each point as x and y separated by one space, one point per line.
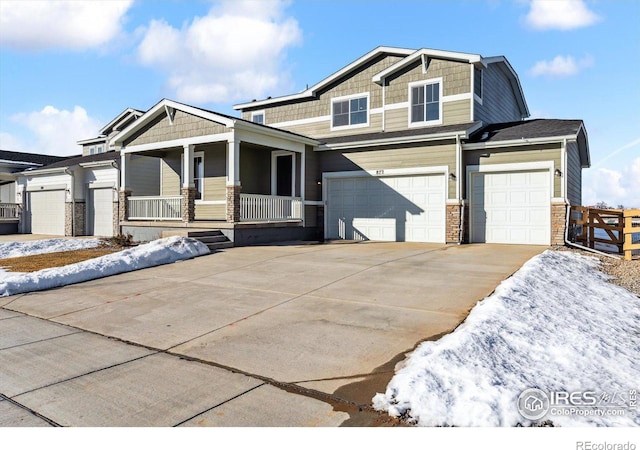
47 212
403 208
511 207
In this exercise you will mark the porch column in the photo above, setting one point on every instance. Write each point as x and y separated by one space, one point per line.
188 186
125 192
234 186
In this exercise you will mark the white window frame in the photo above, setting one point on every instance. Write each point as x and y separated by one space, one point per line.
274 171
477 97
440 102
349 98
258 113
195 155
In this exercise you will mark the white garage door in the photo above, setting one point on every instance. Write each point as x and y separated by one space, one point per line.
47 210
511 207
100 212
403 208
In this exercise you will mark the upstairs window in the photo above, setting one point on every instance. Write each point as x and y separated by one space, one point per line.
99 149
258 117
350 111
425 102
477 82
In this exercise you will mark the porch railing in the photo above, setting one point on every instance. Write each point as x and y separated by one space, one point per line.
155 208
258 208
9 211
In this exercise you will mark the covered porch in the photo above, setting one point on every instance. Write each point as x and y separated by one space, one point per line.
214 169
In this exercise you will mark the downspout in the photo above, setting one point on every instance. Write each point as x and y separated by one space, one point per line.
73 200
459 187
581 247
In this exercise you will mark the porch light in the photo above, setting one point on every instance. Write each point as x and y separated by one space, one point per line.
558 173
452 176
485 155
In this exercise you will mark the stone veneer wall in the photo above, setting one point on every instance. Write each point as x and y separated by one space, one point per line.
80 216
453 224
123 209
233 203
558 223
188 204
116 218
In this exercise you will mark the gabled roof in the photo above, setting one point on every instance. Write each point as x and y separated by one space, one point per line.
123 116
410 56
28 159
426 53
533 131
113 125
311 92
165 105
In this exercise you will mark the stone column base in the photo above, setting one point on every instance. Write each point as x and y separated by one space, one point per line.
558 223
453 224
233 203
123 205
188 204
80 214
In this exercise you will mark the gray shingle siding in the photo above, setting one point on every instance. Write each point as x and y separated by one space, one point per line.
574 174
498 99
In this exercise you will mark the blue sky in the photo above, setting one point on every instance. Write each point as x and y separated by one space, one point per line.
67 68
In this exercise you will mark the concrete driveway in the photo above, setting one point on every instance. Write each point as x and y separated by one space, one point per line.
281 335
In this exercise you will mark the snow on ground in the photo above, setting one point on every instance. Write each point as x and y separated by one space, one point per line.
16 249
155 253
555 325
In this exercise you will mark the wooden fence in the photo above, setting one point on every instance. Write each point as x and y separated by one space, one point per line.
615 230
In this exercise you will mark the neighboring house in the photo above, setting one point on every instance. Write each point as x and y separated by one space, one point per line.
11 164
79 195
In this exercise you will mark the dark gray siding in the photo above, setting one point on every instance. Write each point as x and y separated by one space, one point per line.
574 174
498 98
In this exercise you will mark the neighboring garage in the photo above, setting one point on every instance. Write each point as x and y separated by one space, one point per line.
100 212
46 211
511 207
407 208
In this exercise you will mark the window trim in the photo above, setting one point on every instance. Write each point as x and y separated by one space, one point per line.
257 113
350 97
440 102
199 155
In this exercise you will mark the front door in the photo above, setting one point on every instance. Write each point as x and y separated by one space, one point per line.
284 177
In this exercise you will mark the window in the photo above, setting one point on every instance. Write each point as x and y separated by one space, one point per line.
351 111
477 82
198 174
425 102
92 150
99 149
258 117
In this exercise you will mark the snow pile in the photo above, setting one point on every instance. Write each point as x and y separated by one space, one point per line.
16 249
556 325
155 253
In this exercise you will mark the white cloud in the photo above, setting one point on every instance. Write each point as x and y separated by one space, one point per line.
561 66
76 25
235 52
560 14
51 131
612 186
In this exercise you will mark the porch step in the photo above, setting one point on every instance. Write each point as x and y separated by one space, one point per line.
214 239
